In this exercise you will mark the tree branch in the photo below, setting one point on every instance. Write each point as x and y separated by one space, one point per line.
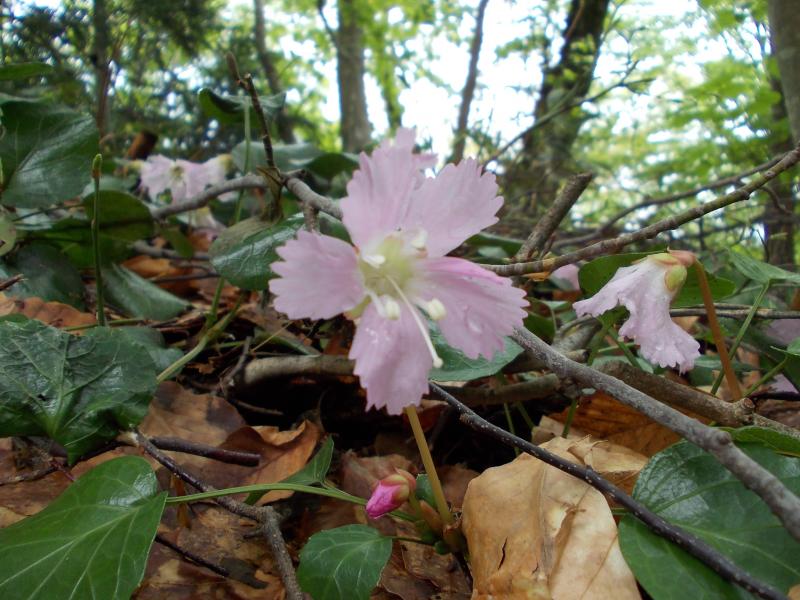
781 501
695 546
615 244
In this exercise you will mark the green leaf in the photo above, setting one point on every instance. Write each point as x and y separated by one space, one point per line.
775 440
331 164
138 297
48 275
77 390
689 488
242 254
317 468
424 490
596 273
8 235
91 542
152 342
122 216
510 245
312 474
298 156
230 109
343 563
46 153
760 271
24 71
457 367
74 238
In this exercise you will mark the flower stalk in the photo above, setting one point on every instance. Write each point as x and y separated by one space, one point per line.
97 167
430 468
716 332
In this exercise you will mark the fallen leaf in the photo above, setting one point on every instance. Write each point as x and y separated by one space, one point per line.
557 538
155 268
55 314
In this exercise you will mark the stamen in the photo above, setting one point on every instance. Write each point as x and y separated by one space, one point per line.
423 329
420 240
374 260
436 309
392 309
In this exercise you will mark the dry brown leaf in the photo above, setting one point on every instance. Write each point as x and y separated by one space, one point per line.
152 268
283 453
203 418
455 479
54 314
557 538
604 418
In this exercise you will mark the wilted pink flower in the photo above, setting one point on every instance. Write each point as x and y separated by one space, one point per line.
402 225
646 289
182 178
390 493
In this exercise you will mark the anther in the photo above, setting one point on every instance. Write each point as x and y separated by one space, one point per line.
435 309
419 240
375 260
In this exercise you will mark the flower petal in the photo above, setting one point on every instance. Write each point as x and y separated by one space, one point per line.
156 174
378 195
481 307
392 361
459 202
642 289
382 500
319 277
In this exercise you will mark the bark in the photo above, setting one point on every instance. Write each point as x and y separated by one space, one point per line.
282 122
545 161
469 87
355 128
102 63
784 22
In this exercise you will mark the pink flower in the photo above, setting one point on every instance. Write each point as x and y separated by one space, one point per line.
646 289
390 493
568 274
182 178
403 224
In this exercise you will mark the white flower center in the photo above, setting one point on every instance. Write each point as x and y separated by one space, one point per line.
389 270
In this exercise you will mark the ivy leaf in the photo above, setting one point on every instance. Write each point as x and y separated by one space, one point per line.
46 153
343 563
122 216
457 367
49 275
317 468
242 254
596 273
78 391
689 488
91 542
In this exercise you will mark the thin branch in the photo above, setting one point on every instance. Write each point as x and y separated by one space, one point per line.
234 457
541 388
308 196
545 227
468 92
736 313
781 501
617 243
192 557
277 545
7 283
695 546
729 414
208 194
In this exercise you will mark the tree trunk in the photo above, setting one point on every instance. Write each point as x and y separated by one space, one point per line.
355 128
284 125
784 26
545 161
102 63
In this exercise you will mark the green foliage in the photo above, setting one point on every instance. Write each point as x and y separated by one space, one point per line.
48 275
78 391
46 153
91 542
122 216
243 253
137 297
457 367
343 563
691 489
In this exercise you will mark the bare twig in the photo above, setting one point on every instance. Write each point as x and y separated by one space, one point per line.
545 227
736 313
541 388
615 244
7 283
234 457
693 545
781 501
208 194
308 196
277 545
192 557
730 414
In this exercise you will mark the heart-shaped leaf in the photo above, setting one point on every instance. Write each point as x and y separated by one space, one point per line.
138 297
78 391
243 253
343 563
48 275
689 488
91 542
46 152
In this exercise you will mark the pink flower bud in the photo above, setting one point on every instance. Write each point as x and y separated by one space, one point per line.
390 493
